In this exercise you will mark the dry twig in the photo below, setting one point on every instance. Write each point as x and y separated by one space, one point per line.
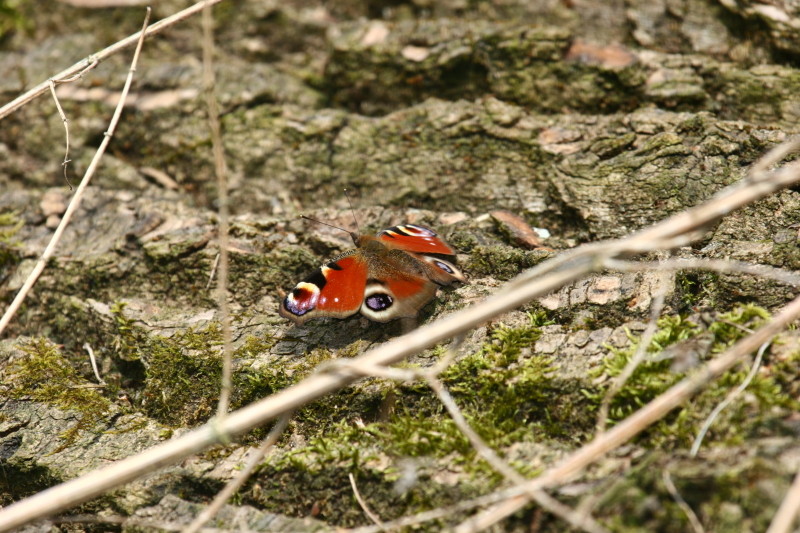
243 475
786 516
364 507
650 413
698 441
544 500
93 360
222 198
723 266
82 66
78 196
66 129
673 491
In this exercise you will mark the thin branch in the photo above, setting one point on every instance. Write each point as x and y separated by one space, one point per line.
93 360
127 521
70 73
538 281
698 441
723 266
652 412
66 129
685 507
641 351
222 198
87 64
785 518
544 500
243 475
213 271
367 511
78 196
430 375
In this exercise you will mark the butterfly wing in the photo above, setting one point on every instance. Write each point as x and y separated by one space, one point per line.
391 294
336 289
438 257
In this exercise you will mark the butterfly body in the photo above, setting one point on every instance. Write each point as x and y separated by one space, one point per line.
388 276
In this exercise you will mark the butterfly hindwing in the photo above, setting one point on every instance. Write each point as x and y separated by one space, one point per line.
425 245
397 296
336 289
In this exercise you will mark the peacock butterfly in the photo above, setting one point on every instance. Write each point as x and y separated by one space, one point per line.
388 276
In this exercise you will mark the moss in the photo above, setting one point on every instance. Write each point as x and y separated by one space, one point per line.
735 494
503 262
126 339
12 18
183 376
507 392
21 481
696 288
45 375
652 377
10 224
281 269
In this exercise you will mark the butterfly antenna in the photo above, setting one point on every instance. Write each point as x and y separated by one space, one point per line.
352 210
324 223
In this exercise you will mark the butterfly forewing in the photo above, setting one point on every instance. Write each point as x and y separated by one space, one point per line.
336 289
414 238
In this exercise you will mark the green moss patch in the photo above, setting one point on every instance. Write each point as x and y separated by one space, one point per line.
45 375
507 392
503 262
656 374
10 224
735 493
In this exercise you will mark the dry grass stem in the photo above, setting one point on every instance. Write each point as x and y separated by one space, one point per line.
255 458
538 281
75 202
723 266
649 414
544 500
786 517
698 441
213 271
443 512
221 172
76 70
93 361
690 514
364 507
136 523
66 131
641 352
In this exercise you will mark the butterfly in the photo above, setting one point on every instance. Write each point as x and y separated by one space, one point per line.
388 276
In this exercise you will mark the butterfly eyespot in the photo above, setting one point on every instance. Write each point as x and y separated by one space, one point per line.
444 266
379 301
302 299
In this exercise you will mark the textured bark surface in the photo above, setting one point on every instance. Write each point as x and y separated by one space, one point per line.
589 121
